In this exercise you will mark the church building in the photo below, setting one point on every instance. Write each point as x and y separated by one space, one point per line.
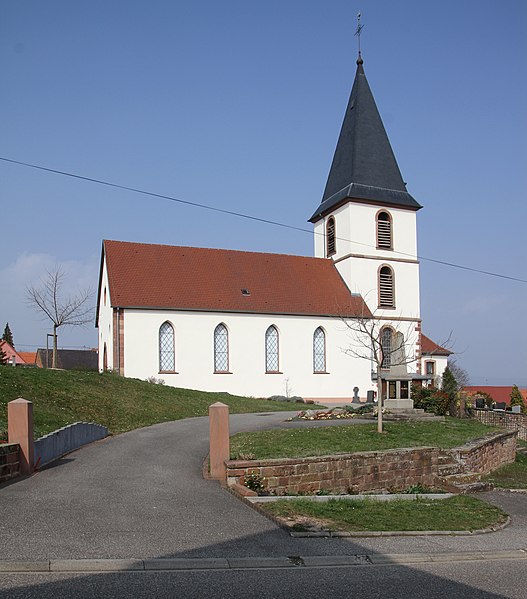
345 323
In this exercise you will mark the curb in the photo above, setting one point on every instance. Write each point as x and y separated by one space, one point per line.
138 566
360 534
360 497
403 533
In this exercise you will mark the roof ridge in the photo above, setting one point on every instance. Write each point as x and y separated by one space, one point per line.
195 247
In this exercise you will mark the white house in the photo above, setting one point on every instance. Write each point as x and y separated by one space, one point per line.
434 360
271 324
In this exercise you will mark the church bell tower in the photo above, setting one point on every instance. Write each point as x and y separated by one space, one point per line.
366 223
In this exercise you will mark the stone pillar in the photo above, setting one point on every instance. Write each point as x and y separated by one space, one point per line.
219 439
20 430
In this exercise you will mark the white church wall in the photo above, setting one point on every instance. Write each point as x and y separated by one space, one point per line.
342 234
361 275
364 233
356 232
105 332
194 350
358 262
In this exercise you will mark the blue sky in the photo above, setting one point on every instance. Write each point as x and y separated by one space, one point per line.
239 105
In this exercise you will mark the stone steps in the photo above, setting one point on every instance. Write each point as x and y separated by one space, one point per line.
449 469
468 482
474 487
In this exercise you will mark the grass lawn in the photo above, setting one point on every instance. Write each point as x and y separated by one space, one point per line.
61 397
512 476
455 513
359 437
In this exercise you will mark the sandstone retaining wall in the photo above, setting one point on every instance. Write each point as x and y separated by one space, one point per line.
379 471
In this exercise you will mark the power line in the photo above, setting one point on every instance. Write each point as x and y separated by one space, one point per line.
246 216
39 346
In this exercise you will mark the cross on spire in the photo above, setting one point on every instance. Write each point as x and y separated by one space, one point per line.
358 33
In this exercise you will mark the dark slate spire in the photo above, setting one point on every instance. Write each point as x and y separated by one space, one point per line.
364 165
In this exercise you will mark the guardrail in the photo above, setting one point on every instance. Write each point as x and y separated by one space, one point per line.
68 438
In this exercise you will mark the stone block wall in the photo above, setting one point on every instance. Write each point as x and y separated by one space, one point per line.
9 461
345 473
506 420
376 471
488 453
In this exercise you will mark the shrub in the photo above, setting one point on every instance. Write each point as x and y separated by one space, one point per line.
517 399
255 482
431 400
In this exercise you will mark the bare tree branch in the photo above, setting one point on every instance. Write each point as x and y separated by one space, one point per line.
75 310
367 344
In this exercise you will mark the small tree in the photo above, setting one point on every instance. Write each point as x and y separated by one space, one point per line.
370 344
450 387
71 311
8 336
517 399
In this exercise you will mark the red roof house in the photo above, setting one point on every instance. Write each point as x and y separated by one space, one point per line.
21 358
431 348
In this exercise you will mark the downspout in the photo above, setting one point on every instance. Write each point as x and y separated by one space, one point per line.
118 341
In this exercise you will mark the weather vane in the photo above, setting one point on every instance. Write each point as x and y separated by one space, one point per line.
358 30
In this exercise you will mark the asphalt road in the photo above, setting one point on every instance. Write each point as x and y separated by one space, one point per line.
483 580
141 495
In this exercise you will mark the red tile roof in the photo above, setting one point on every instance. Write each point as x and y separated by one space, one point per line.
429 347
29 357
498 394
189 278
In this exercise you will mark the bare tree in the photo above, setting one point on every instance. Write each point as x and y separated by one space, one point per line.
460 374
74 310
374 340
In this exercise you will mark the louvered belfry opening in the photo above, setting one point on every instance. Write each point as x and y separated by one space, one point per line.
384 231
386 288
331 245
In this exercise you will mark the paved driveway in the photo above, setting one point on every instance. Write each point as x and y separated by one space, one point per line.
141 495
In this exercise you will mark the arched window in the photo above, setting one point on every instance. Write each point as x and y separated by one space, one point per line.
166 348
384 231
386 347
221 349
386 288
271 350
331 244
319 350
